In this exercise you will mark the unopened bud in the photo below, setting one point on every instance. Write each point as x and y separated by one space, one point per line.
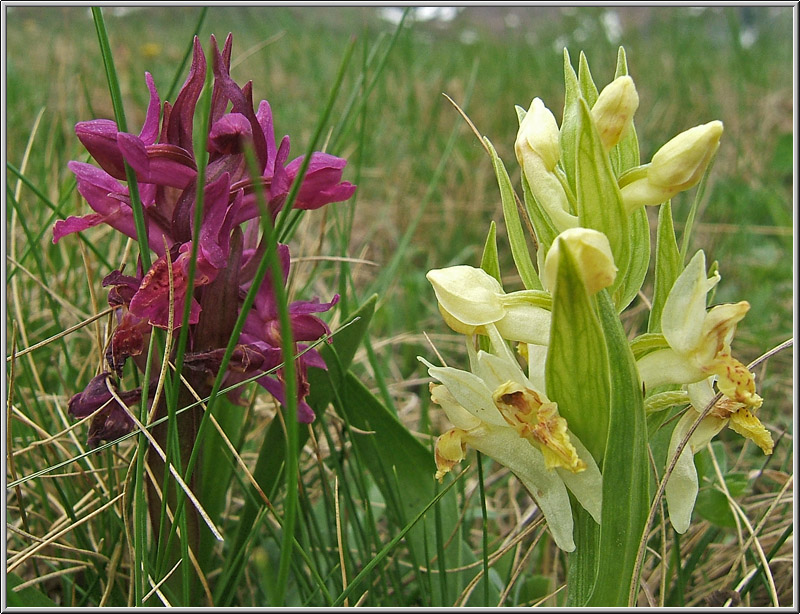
677 166
592 253
538 135
681 162
613 111
538 151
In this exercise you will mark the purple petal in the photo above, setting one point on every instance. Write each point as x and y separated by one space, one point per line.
242 102
230 134
218 99
166 165
181 118
149 132
264 116
308 328
128 340
112 421
321 184
151 300
215 208
305 414
99 137
75 224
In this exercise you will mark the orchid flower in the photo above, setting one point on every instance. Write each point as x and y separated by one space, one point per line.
682 486
538 151
496 409
699 340
470 299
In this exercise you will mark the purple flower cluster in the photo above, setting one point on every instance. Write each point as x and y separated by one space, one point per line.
228 249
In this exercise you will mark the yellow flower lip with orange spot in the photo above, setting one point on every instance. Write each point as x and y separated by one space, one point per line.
495 409
538 421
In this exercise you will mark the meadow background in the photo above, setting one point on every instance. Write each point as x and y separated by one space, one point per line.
426 195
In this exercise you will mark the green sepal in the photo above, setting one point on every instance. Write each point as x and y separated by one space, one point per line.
600 207
490 261
516 236
585 81
569 122
668 265
577 367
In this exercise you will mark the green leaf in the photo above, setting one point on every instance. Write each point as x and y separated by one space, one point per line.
668 266
30 597
516 236
626 498
577 367
490 261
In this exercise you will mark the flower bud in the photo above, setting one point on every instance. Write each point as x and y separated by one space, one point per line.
613 111
538 151
592 253
677 166
682 161
538 135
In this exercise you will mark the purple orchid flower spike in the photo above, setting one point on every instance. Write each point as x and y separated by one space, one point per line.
228 247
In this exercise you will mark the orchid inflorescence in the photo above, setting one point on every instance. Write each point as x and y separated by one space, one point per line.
228 247
549 421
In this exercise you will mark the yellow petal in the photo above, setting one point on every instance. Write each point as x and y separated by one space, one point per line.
537 420
735 381
748 425
450 450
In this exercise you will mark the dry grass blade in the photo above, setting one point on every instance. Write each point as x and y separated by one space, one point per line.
63 333
754 532
174 472
49 576
57 297
340 538
47 541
